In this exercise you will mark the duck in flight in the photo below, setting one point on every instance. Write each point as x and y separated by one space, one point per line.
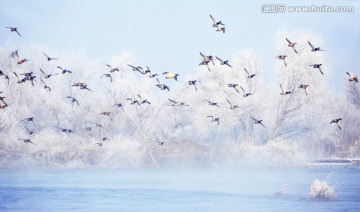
138 68
220 28
14 29
248 74
318 67
19 80
64 71
292 45
6 76
192 82
73 100
282 57
212 103
170 75
27 141
107 75
216 23
231 105
67 131
224 62
45 86
233 86
143 101
112 69
283 92
47 76
206 60
352 77
304 87
258 121
14 53
50 58
22 61
313 49
162 86
245 94
175 103
119 105
215 119
2 99
105 113
132 102
336 121
151 75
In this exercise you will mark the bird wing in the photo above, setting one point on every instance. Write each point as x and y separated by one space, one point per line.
131 66
242 89
246 71
229 102
202 55
18 33
213 19
16 75
172 101
60 68
320 70
219 59
295 50
45 55
262 124
166 72
253 118
350 74
42 71
108 65
312 47
228 65
288 40
282 89
158 80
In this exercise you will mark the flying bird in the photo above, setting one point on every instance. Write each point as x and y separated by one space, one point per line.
64 71
216 23
47 76
318 67
336 121
214 119
50 58
248 74
133 101
175 103
14 53
138 68
304 87
22 61
231 105
352 77
107 75
105 113
14 29
282 57
112 69
162 86
27 141
283 92
233 86
212 103
245 94
119 105
45 86
192 82
224 62
220 28
206 60
170 75
292 45
73 100
258 121
144 101
313 49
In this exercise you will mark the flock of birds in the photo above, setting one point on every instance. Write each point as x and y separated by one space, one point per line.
206 59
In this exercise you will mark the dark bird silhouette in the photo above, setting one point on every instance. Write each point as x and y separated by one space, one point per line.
245 94
233 86
144 101
175 103
47 76
6 76
212 103
162 86
14 53
45 86
107 75
105 113
119 105
336 121
14 29
112 69
282 57
27 141
248 74
216 23
133 101
214 119
30 119
206 60
192 82
50 58
258 121
137 68
73 100
283 92
64 71
313 49
318 67
224 62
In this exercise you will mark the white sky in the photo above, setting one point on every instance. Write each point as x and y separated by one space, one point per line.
168 35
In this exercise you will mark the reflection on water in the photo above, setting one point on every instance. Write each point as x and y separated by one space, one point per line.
177 189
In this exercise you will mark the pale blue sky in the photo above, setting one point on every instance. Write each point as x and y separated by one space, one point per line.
168 35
